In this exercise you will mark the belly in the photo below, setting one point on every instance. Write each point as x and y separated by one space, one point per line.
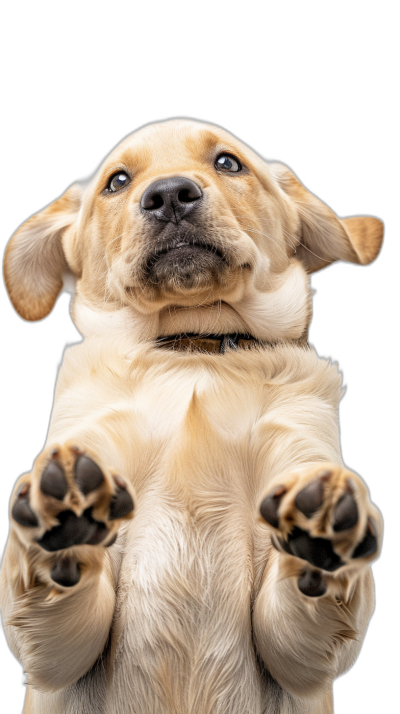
182 632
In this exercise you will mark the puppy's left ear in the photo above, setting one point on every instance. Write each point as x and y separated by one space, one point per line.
324 237
38 253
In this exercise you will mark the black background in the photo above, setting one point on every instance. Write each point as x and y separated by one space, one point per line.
329 122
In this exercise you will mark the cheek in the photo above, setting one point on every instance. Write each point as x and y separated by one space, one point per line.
230 203
114 229
265 222
125 250
248 205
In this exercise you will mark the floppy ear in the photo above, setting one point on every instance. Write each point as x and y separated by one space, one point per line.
324 237
35 256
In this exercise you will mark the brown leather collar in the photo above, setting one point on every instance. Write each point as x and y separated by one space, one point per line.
217 344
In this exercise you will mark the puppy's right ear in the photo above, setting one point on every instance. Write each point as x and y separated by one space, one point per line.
35 257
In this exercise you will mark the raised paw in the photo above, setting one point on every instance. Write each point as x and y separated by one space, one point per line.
68 502
323 516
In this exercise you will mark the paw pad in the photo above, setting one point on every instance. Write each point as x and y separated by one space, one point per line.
21 511
270 505
66 572
121 502
345 514
369 544
317 551
312 583
70 483
310 498
53 482
317 516
73 530
88 475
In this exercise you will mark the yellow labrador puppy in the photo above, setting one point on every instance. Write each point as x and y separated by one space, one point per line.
241 584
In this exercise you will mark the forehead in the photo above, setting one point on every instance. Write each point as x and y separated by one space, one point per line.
173 142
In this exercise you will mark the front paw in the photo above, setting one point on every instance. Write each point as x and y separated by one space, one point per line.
323 516
68 503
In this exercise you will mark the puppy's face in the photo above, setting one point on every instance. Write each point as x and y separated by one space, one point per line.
185 213
184 228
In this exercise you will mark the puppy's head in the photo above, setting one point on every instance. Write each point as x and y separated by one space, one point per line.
185 229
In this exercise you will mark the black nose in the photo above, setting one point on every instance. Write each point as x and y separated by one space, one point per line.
171 199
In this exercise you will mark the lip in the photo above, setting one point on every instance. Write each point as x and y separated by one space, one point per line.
185 247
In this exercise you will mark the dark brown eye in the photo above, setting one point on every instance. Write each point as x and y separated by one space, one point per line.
118 181
227 162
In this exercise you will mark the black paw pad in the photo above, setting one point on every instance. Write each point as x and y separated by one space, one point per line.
121 502
101 531
73 530
345 514
88 475
317 551
270 506
310 498
21 511
312 583
369 544
53 481
66 572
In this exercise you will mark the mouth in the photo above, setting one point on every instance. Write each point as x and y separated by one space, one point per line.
183 250
188 262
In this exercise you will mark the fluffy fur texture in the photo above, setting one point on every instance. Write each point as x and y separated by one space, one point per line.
193 609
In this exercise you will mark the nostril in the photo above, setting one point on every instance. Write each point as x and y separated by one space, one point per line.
154 201
187 196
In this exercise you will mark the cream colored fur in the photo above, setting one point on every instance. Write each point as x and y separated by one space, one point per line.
192 610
